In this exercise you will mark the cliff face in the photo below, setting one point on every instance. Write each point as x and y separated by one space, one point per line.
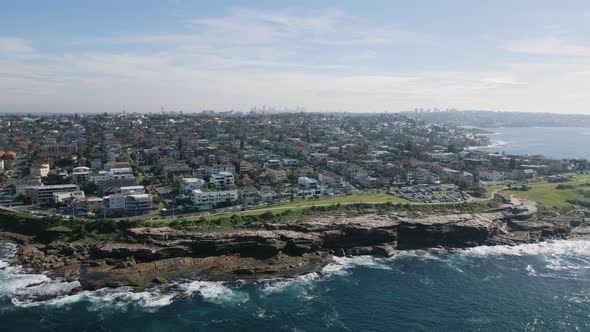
276 250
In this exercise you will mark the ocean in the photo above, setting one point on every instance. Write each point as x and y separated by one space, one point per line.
552 142
533 287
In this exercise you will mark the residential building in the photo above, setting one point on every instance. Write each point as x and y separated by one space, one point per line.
44 194
40 168
307 183
222 180
113 174
215 169
68 197
205 200
187 185
131 200
276 175
80 174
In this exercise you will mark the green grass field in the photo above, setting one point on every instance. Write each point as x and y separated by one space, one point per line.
344 200
351 199
548 195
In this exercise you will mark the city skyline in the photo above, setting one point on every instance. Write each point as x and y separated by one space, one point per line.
531 56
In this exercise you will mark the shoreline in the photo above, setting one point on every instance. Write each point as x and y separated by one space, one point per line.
284 251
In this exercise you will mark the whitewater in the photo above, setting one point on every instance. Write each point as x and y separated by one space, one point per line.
534 287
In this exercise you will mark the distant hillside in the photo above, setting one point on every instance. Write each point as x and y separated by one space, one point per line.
489 119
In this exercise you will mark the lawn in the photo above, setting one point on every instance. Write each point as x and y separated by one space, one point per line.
351 199
547 193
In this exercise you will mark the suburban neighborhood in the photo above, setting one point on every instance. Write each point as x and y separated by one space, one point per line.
170 164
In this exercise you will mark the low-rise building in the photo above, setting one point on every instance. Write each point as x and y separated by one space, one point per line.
187 185
40 168
44 194
113 174
68 197
131 200
218 168
307 183
205 200
245 166
277 175
80 174
222 180
490 175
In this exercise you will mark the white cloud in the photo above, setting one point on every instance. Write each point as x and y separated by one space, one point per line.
10 46
248 58
548 46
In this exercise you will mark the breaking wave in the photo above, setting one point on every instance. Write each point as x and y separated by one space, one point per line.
27 290
558 259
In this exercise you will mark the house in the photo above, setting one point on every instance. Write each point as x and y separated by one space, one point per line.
424 176
272 163
307 183
523 174
245 166
174 170
491 175
116 164
317 157
93 204
358 173
40 168
277 175
61 198
330 179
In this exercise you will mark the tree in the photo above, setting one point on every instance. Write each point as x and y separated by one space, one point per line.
512 163
89 188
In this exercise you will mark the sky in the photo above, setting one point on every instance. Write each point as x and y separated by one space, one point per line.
356 56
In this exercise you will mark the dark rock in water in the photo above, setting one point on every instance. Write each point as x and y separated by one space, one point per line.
383 250
36 284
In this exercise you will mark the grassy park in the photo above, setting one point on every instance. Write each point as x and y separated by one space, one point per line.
557 195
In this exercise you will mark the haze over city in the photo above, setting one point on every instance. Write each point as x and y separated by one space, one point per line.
108 56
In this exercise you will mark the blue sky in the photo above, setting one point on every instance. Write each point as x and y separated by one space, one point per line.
361 56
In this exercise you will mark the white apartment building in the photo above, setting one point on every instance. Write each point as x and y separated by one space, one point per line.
130 199
215 169
222 180
187 185
307 183
113 174
205 200
66 197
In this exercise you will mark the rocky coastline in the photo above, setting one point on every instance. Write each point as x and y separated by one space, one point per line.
153 256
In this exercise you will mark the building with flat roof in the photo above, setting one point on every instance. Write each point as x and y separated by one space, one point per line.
113 174
205 200
189 184
130 200
68 197
44 194
222 180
